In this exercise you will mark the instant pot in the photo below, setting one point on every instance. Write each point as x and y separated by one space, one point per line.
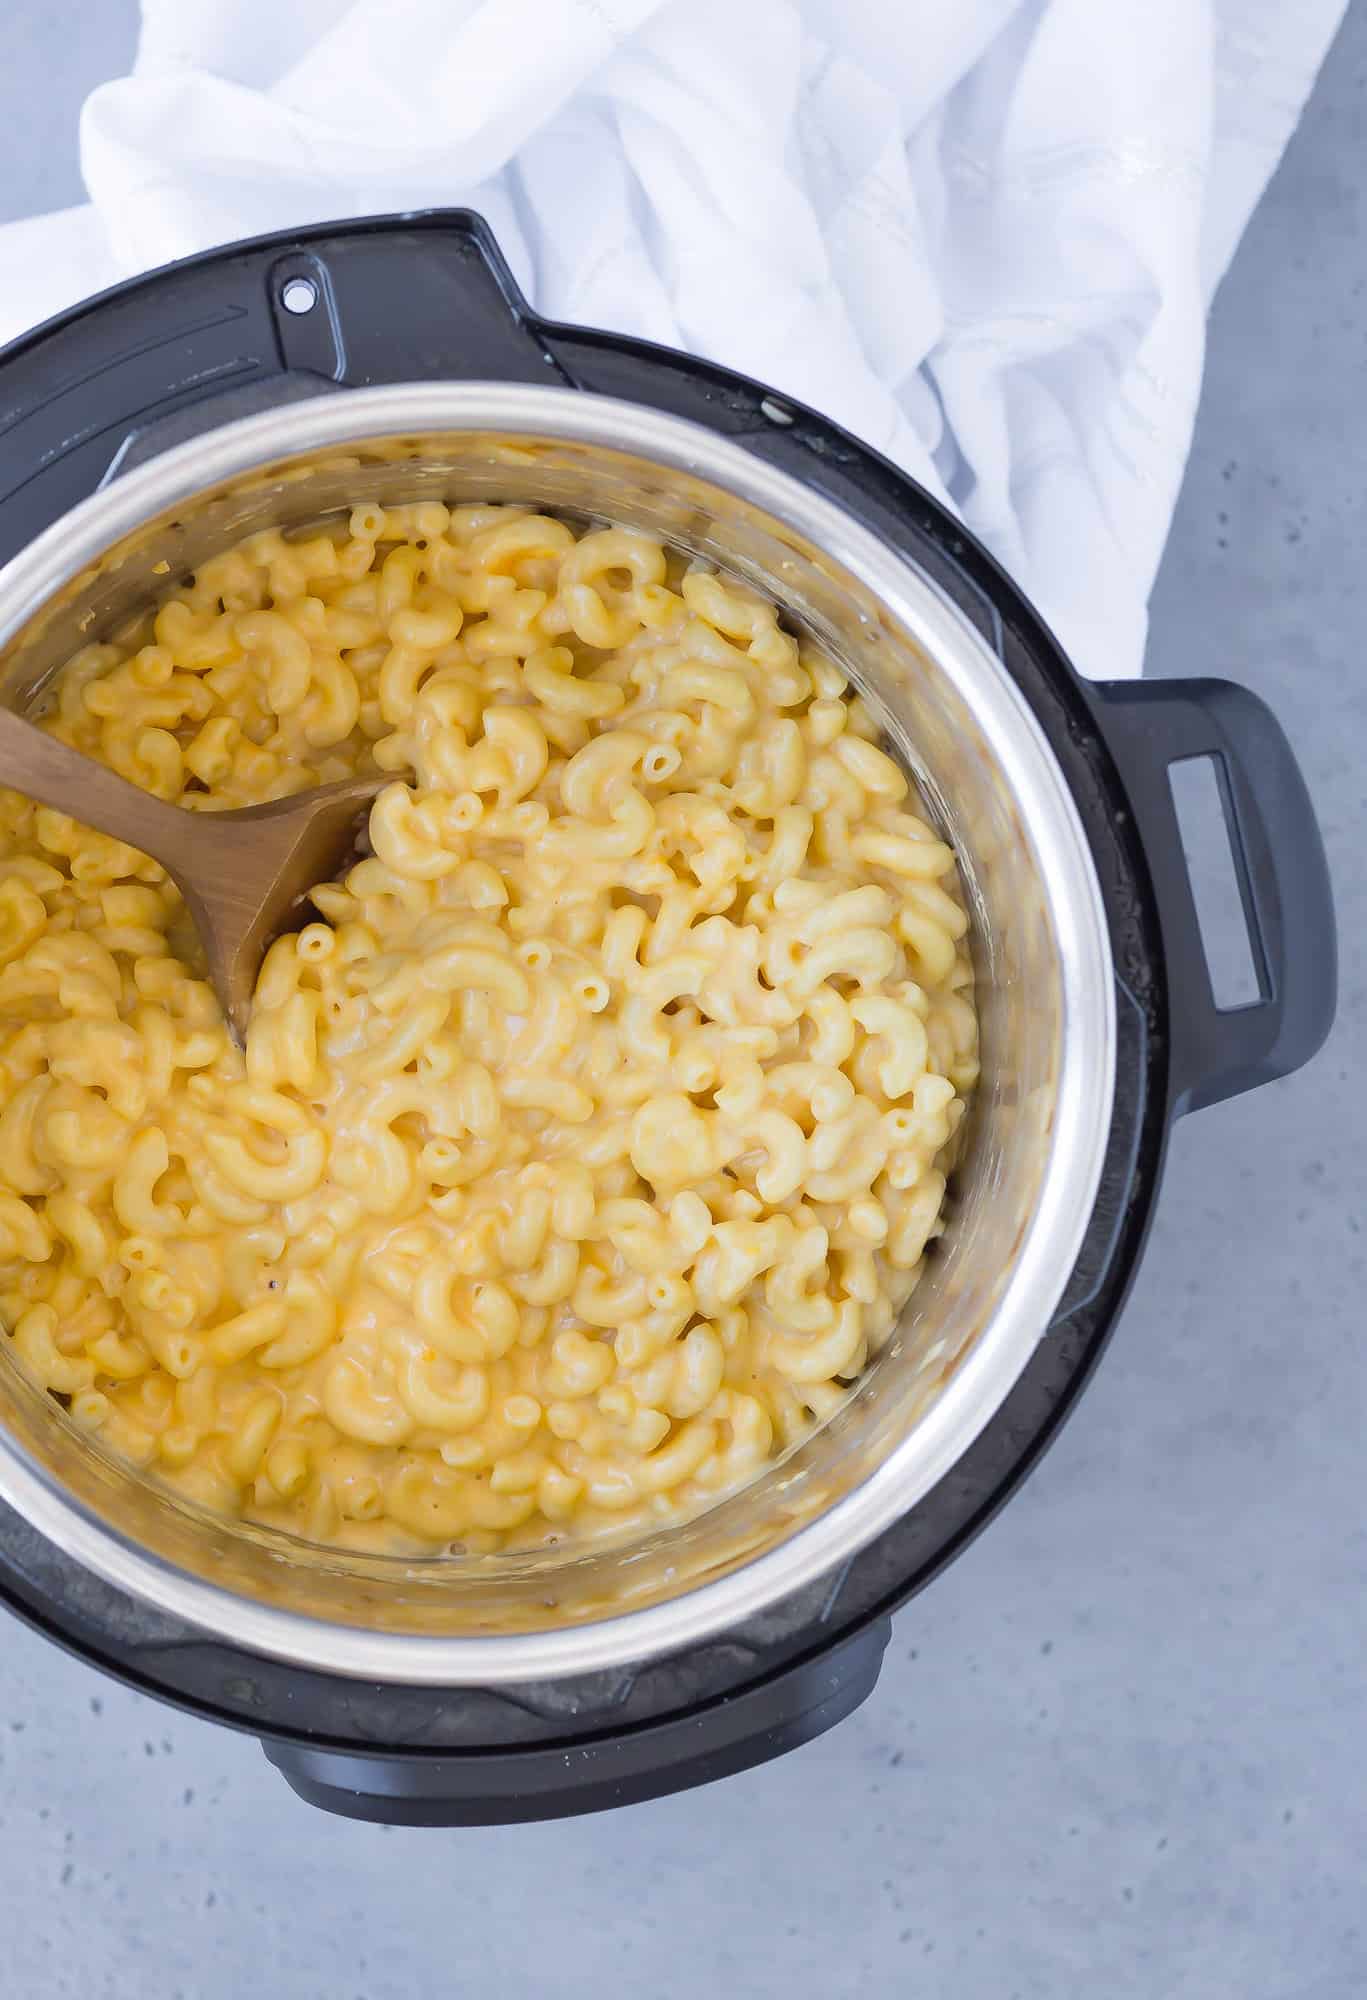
281 380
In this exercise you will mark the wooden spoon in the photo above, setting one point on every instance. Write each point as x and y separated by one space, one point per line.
245 875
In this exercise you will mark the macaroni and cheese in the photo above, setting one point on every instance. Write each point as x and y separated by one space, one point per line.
587 1145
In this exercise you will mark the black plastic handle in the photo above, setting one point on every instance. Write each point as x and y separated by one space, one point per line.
1282 872
550 1781
180 349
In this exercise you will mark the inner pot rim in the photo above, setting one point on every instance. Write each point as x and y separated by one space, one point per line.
1053 1235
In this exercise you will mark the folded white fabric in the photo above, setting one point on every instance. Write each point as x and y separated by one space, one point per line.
983 234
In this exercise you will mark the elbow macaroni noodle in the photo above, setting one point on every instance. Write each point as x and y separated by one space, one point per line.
586 1150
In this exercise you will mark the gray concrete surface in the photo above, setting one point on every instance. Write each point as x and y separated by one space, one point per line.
1118 1749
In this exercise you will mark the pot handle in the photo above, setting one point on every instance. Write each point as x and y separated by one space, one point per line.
552 1781
182 349
1279 861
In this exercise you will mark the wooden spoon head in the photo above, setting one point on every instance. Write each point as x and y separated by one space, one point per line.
246 876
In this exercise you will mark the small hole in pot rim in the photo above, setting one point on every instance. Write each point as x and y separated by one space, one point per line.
299 295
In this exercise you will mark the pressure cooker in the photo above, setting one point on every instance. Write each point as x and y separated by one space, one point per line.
279 381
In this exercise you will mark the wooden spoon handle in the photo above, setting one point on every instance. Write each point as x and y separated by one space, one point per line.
36 764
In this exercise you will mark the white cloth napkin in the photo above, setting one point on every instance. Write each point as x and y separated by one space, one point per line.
983 234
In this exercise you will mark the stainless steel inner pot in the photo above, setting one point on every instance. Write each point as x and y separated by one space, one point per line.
1021 1197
